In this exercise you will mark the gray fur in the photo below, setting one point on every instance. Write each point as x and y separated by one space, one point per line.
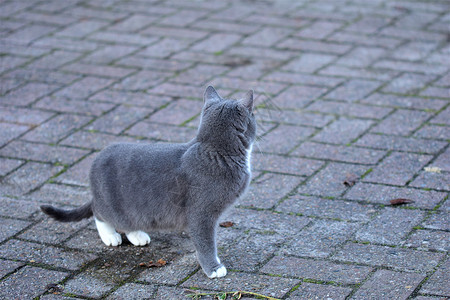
178 186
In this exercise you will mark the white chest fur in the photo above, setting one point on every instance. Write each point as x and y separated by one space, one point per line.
248 159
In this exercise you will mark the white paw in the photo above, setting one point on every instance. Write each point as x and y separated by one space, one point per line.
114 239
138 238
220 272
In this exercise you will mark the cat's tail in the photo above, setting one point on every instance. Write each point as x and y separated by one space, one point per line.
73 215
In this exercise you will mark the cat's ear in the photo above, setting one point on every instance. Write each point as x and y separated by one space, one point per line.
248 101
210 94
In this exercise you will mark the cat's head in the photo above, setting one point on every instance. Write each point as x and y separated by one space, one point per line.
227 124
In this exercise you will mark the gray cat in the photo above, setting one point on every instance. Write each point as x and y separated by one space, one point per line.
138 188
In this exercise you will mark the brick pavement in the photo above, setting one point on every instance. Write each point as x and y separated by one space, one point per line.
346 90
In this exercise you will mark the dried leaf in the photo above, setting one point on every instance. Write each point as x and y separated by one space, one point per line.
433 169
350 180
226 224
400 201
54 288
158 264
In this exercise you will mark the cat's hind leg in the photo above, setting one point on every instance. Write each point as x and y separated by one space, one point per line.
108 234
138 238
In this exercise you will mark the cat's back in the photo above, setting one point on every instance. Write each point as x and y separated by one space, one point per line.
126 157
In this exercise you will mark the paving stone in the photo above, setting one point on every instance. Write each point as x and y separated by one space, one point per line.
27 177
172 134
186 34
361 56
29 282
141 81
73 106
309 63
200 74
87 285
259 87
298 96
343 131
23 115
7 266
289 165
316 269
167 292
398 65
436 92
7 165
313 45
266 191
434 132
390 227
177 112
401 122
15 208
28 93
389 142
349 109
267 36
383 194
339 153
119 119
319 29
94 140
55 59
429 240
83 88
294 117
79 173
217 42
56 128
164 48
28 34
319 207
133 291
437 181
284 138
263 221
318 291
297 78
385 284
109 53
398 168
51 231
414 50
353 90
442 117
173 273
436 284
397 258
320 239
60 195
329 181
156 63
49 76
82 29
261 284
9 132
11 227
438 220
182 18
346 71
32 252
368 24
403 101
408 83
130 98
98 70
41 152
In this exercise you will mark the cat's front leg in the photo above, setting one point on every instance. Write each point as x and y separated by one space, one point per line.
203 233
